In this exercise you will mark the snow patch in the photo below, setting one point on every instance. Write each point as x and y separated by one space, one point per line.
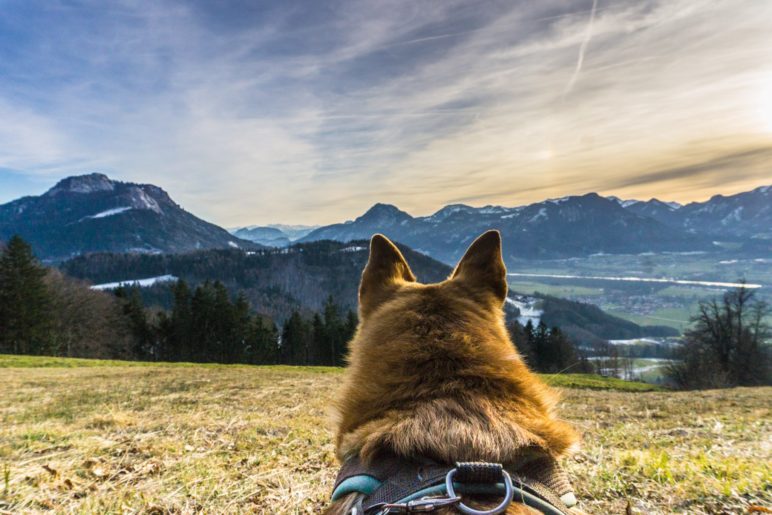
149 281
111 212
233 244
541 214
528 310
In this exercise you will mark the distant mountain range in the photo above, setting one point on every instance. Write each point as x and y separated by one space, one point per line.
277 235
91 213
572 226
747 214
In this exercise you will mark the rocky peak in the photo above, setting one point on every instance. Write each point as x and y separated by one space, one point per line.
88 183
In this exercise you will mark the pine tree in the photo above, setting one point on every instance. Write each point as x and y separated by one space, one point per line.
134 310
25 317
263 343
178 336
334 333
294 340
319 352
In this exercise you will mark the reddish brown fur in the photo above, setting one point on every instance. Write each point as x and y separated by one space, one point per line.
432 371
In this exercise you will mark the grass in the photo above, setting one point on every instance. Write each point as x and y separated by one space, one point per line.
677 318
563 380
234 439
567 290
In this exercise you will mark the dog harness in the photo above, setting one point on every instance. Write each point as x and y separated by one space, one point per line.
391 484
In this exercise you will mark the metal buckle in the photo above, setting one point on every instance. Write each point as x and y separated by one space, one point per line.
419 505
509 494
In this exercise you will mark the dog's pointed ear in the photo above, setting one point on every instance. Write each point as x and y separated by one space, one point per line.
482 268
386 269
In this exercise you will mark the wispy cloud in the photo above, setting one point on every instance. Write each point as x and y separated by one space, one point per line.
582 50
311 112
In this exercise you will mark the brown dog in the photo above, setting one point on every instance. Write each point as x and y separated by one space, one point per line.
433 374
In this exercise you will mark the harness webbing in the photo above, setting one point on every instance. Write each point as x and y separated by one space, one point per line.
541 484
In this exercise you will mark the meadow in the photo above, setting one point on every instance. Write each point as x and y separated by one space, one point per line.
84 436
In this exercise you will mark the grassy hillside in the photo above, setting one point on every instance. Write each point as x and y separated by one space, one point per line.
233 439
587 381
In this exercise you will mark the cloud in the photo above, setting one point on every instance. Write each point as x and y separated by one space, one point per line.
582 50
254 113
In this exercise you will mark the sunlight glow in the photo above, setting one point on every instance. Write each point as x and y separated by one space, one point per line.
765 109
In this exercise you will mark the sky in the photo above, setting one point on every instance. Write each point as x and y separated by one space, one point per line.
251 112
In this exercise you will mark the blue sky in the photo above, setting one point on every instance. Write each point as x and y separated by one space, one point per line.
309 112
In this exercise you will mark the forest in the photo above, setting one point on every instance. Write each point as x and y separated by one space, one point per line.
44 311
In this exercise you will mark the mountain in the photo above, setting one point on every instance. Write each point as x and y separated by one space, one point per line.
744 215
268 236
293 232
302 276
91 213
274 235
556 228
747 214
663 212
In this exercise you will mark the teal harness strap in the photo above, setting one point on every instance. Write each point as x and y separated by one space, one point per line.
366 485
362 484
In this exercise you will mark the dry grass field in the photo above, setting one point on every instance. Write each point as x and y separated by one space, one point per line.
91 437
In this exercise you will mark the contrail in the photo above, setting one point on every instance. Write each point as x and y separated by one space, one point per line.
582 49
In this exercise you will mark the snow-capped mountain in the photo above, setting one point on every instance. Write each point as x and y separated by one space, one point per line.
91 213
556 228
665 212
744 215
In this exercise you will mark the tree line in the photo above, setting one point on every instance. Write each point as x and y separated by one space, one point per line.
44 312
547 349
729 344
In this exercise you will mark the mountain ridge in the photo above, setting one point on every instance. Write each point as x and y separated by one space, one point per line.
92 213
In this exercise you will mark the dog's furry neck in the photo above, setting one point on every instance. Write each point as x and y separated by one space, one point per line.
443 388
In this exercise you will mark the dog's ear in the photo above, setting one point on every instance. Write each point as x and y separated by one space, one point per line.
385 270
482 268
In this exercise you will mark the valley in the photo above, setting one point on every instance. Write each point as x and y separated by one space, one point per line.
649 288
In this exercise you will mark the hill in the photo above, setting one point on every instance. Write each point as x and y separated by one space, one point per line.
241 439
275 281
587 323
91 213
302 276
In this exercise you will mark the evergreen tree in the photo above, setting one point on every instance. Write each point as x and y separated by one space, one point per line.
561 355
263 342
25 317
294 340
319 350
134 310
334 332
240 331
178 334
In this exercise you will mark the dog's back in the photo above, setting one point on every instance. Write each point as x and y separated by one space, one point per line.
433 374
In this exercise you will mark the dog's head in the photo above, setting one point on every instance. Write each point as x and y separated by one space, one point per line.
420 328
432 369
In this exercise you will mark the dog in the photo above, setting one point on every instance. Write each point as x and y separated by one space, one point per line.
433 376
